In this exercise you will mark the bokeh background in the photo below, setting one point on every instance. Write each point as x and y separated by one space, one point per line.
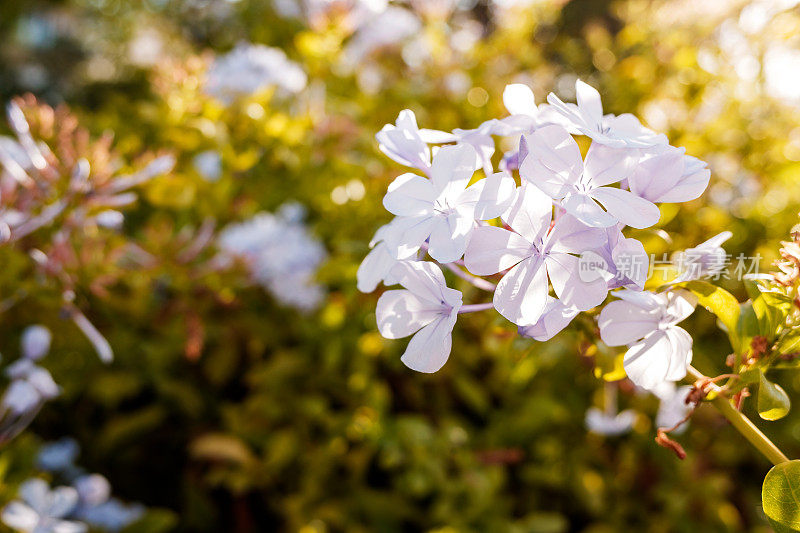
227 409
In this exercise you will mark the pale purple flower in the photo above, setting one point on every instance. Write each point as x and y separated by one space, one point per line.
704 260
659 350
555 317
425 308
35 342
443 209
281 254
42 510
208 164
533 252
664 174
386 28
402 142
554 164
609 424
250 68
673 407
586 118
111 515
625 259
58 456
31 386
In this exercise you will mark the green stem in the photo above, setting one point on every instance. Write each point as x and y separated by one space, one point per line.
742 424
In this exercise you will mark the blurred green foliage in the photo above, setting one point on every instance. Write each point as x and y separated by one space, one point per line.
240 415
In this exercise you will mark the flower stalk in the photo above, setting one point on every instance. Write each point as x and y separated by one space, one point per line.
742 424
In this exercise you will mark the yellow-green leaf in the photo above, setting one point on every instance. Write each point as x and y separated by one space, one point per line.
780 495
773 402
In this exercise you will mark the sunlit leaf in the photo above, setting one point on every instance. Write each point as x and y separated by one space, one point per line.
773 402
780 495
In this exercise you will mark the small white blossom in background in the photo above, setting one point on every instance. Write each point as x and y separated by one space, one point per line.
673 407
280 253
94 504
209 165
35 342
43 510
31 385
609 424
251 68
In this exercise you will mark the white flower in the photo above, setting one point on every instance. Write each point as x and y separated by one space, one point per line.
42 510
443 209
704 260
35 342
659 350
58 456
665 174
426 308
673 407
93 489
609 424
389 27
554 164
208 164
281 255
402 142
31 386
586 118
533 252
250 68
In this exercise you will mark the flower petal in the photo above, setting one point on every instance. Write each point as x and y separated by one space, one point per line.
519 99
554 162
374 268
493 250
19 516
585 209
409 195
626 207
605 165
568 285
589 103
407 234
400 313
495 196
522 293
449 237
530 213
429 349
452 168
555 318
623 323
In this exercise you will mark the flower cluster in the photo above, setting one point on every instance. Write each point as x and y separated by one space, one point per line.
31 385
84 503
547 224
280 253
250 68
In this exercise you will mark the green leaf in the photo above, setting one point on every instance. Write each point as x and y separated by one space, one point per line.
747 327
773 402
771 309
780 495
718 301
